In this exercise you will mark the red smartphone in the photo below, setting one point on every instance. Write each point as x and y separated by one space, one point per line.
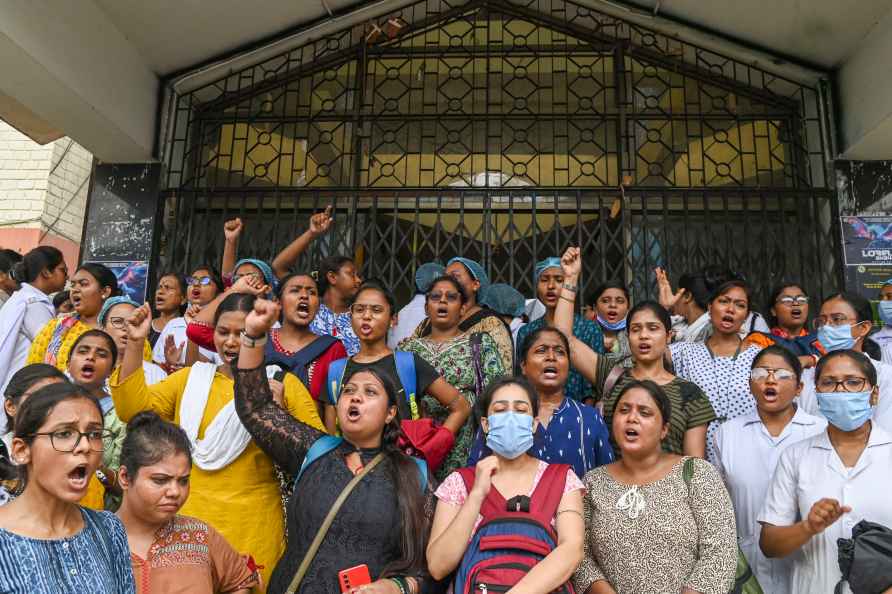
353 577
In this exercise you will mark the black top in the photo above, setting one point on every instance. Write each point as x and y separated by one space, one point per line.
366 529
153 335
425 375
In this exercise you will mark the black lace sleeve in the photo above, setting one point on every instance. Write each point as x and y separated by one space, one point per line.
284 438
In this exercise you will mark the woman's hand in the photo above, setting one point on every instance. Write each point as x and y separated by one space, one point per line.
321 222
138 325
278 390
191 312
232 229
571 264
823 514
261 318
251 285
486 469
173 353
666 297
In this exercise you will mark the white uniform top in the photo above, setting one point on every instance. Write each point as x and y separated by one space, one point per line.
177 327
747 456
882 414
812 470
21 318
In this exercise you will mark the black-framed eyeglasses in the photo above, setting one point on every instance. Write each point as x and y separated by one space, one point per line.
67 440
791 301
849 384
451 296
199 280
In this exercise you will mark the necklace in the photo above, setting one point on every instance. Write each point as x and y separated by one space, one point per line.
632 502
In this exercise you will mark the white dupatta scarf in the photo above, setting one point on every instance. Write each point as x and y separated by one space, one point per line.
225 438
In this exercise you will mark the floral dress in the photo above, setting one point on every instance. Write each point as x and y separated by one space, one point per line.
456 361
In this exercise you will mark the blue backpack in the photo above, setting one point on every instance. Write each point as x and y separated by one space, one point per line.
513 535
405 368
327 443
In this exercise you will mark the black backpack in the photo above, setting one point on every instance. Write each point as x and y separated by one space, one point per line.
865 560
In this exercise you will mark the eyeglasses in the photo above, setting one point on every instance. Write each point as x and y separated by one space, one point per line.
255 275
759 374
832 320
67 440
199 280
359 309
451 296
117 322
791 301
849 384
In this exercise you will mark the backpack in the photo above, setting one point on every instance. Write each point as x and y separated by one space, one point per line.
299 362
327 443
405 369
865 560
507 544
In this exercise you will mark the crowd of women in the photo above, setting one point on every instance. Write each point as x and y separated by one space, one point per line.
264 430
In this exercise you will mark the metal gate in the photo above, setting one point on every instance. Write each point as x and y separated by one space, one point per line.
505 130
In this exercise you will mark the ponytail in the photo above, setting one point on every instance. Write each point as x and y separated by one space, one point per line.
44 257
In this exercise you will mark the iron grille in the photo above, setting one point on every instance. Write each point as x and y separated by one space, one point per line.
505 130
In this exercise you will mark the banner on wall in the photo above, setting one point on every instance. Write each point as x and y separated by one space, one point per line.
867 253
132 278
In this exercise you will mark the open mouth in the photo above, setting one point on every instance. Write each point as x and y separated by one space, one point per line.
230 354
550 373
303 309
75 300
643 347
795 313
727 322
365 329
631 434
612 316
88 371
196 293
442 311
770 395
353 413
551 296
77 478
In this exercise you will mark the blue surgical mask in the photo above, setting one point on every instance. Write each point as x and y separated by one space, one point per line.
616 326
510 434
885 309
845 410
836 338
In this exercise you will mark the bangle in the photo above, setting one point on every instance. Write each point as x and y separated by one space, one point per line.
199 323
253 341
569 287
401 584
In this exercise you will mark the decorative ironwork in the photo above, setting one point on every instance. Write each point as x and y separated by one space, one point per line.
504 130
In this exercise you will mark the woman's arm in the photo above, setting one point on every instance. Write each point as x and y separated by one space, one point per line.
582 357
453 525
695 442
588 578
558 567
449 397
284 438
319 225
780 541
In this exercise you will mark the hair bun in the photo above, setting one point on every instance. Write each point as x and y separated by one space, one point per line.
145 418
19 272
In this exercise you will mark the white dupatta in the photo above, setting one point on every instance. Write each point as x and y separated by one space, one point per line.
225 438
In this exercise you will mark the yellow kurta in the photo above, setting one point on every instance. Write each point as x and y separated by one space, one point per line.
37 354
242 501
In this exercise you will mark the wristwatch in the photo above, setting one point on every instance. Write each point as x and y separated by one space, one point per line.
569 287
252 341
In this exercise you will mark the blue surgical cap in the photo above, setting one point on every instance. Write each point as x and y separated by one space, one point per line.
545 265
503 299
475 269
110 303
265 269
425 275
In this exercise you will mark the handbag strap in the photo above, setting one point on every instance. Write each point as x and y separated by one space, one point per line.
326 524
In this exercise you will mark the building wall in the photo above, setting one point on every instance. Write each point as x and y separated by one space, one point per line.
43 192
